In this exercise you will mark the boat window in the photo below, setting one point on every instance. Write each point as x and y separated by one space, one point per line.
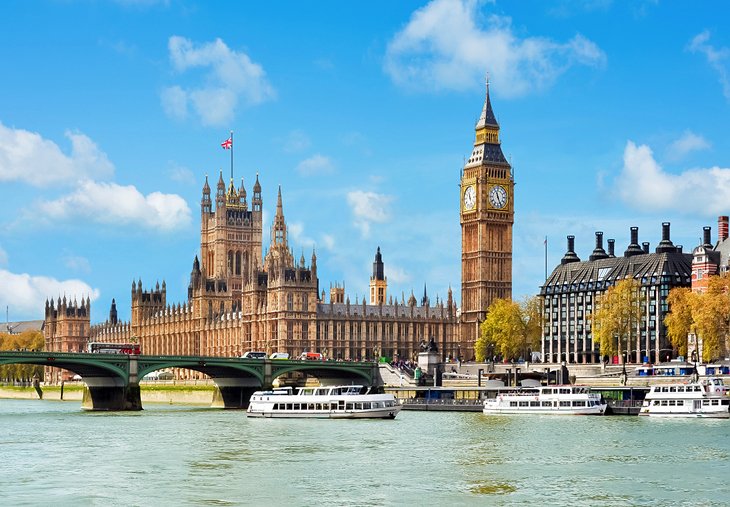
705 402
524 404
564 403
310 406
349 406
672 389
664 403
656 403
715 402
680 389
680 403
565 391
512 403
547 404
534 403
579 403
665 389
671 403
725 402
547 391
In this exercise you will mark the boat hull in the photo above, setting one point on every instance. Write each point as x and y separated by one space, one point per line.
386 413
597 410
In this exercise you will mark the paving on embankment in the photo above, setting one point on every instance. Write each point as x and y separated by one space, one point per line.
182 394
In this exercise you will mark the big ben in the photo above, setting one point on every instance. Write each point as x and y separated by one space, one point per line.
487 214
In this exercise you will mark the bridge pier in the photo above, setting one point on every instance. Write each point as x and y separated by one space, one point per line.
107 395
233 392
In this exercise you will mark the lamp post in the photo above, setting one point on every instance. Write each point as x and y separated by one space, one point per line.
624 375
695 373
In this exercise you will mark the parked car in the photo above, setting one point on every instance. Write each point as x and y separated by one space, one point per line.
279 355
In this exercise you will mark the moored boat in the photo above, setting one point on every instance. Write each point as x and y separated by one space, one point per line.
325 402
704 398
553 400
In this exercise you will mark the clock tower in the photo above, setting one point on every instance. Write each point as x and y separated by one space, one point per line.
487 214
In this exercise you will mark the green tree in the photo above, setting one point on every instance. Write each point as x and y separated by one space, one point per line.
680 319
510 329
615 321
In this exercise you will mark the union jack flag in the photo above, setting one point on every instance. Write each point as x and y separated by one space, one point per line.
227 144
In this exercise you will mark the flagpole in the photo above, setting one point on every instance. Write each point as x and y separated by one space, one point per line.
231 155
546 258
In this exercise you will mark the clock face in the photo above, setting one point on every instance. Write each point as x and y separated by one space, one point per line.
498 197
470 197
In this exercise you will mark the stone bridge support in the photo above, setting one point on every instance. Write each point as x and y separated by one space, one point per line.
234 392
106 393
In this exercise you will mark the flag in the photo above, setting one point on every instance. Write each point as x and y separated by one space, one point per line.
227 144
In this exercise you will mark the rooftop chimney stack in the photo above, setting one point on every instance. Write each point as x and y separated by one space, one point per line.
598 252
707 236
665 245
722 228
611 247
634 247
570 255
645 246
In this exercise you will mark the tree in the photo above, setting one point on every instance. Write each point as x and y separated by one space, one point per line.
711 317
680 320
28 340
510 329
616 319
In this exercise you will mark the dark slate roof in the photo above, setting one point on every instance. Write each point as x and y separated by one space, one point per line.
487 117
487 152
599 274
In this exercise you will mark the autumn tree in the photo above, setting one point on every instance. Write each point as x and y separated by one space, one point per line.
510 329
680 320
711 317
615 321
27 340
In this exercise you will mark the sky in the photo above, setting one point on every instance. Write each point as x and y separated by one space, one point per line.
613 114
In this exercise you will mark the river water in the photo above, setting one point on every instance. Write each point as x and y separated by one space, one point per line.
52 453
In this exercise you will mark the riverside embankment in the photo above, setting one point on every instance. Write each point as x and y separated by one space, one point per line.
184 394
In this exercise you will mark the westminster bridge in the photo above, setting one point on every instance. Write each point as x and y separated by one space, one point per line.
112 380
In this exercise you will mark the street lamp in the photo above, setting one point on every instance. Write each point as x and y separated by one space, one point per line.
695 373
624 375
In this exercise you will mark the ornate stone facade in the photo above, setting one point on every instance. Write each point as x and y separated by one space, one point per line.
238 301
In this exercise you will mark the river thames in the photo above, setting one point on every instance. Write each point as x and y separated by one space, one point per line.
53 453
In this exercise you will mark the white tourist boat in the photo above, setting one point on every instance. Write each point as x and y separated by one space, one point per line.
558 400
704 398
325 402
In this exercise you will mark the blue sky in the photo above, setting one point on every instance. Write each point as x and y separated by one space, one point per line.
614 114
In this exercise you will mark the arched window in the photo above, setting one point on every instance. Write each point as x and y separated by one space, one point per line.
290 302
238 263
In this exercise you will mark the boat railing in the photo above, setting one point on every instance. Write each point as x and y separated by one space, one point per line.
437 401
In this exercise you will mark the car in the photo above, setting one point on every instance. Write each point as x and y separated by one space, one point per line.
251 354
311 356
279 355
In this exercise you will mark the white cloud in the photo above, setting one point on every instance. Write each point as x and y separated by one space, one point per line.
316 164
77 263
181 174
718 58
297 237
686 144
328 241
26 294
443 46
396 274
117 204
367 208
231 78
296 141
643 184
26 156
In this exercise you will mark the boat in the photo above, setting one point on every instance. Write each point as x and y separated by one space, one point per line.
324 402
702 398
552 400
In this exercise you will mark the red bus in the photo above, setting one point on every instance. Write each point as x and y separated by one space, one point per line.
113 348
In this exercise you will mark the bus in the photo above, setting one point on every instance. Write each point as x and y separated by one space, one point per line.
113 348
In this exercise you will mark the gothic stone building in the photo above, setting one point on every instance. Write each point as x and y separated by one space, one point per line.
239 301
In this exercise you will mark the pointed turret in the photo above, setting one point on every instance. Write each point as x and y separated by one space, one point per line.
242 195
487 146
279 207
256 201
424 299
220 195
487 117
113 312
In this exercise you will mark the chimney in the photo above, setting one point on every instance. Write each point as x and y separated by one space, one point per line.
645 246
707 236
665 245
598 252
634 248
722 228
570 255
679 248
611 247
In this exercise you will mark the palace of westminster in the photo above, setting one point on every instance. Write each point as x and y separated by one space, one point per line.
239 300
